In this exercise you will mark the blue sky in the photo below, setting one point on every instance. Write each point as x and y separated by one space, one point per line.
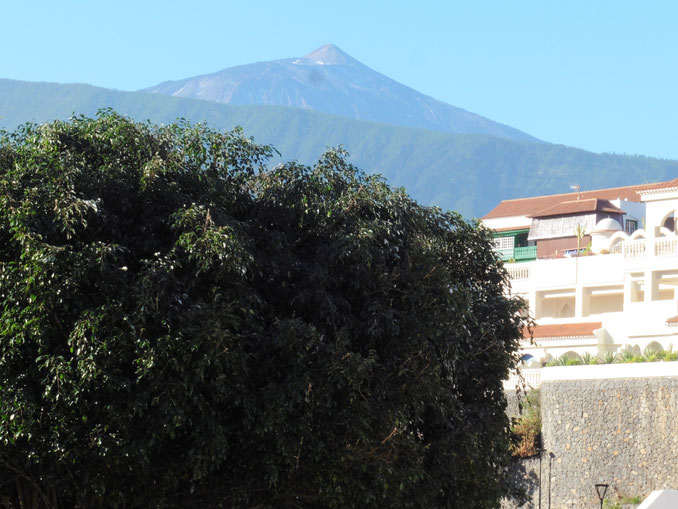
600 75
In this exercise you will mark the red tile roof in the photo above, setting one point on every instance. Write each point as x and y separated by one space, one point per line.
563 330
661 186
673 321
531 206
578 206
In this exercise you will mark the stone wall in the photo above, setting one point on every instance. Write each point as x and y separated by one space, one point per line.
622 432
525 473
618 431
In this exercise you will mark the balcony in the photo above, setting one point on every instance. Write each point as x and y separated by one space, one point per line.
518 254
593 268
518 271
661 247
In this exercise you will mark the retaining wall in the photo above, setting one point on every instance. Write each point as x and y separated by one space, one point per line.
615 424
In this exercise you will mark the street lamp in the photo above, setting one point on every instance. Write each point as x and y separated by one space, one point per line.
551 457
540 451
601 489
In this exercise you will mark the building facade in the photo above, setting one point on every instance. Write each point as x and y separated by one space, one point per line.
598 269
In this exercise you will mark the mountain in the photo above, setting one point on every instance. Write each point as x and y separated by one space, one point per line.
330 81
468 173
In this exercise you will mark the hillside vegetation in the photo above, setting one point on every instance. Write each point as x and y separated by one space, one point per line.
466 173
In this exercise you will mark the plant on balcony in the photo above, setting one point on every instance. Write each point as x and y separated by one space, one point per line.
579 232
652 355
608 358
626 356
567 359
589 359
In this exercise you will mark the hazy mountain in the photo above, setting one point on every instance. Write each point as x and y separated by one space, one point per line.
464 172
330 81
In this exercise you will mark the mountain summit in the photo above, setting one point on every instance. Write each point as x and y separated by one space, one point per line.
331 81
329 54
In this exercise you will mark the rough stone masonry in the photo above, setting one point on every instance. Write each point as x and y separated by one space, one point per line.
618 431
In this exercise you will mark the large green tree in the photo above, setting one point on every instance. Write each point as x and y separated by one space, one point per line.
182 327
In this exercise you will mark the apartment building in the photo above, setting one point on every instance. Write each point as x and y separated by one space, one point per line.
598 269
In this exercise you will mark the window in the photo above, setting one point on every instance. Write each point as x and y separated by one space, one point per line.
630 226
503 243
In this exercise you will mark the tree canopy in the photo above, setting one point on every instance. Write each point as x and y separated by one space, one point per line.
181 326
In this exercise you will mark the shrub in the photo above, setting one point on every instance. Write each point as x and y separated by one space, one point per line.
181 326
527 427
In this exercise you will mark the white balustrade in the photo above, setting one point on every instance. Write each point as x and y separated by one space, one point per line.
532 378
666 246
634 249
518 270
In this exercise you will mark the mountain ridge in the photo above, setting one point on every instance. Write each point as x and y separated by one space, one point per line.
469 173
331 81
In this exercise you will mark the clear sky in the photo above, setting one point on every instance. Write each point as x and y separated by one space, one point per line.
600 75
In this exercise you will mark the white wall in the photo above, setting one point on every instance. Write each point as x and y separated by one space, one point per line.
501 223
658 206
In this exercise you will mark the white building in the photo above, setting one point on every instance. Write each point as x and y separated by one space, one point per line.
599 269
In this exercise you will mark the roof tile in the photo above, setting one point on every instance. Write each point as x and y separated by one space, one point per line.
531 206
661 186
563 330
578 206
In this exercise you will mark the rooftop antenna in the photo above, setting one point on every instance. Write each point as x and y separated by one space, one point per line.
577 189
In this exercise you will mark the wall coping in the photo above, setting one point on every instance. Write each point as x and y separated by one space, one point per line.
602 371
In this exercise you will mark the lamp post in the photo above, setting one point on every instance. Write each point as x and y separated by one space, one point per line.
601 489
551 457
541 454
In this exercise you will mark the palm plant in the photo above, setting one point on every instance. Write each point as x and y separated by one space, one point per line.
589 359
626 356
609 358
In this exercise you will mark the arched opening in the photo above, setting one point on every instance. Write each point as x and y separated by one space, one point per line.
669 221
638 234
665 232
616 241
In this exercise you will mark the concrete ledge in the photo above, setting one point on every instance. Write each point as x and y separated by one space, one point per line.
601 371
663 499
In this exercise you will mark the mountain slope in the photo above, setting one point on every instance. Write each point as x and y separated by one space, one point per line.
463 172
330 81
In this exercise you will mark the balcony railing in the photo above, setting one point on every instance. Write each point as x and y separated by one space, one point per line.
525 253
590 268
633 249
518 270
666 247
518 254
531 377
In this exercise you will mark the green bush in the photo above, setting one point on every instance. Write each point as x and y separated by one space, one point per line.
182 327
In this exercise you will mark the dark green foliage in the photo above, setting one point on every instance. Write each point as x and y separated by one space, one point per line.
181 328
464 172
